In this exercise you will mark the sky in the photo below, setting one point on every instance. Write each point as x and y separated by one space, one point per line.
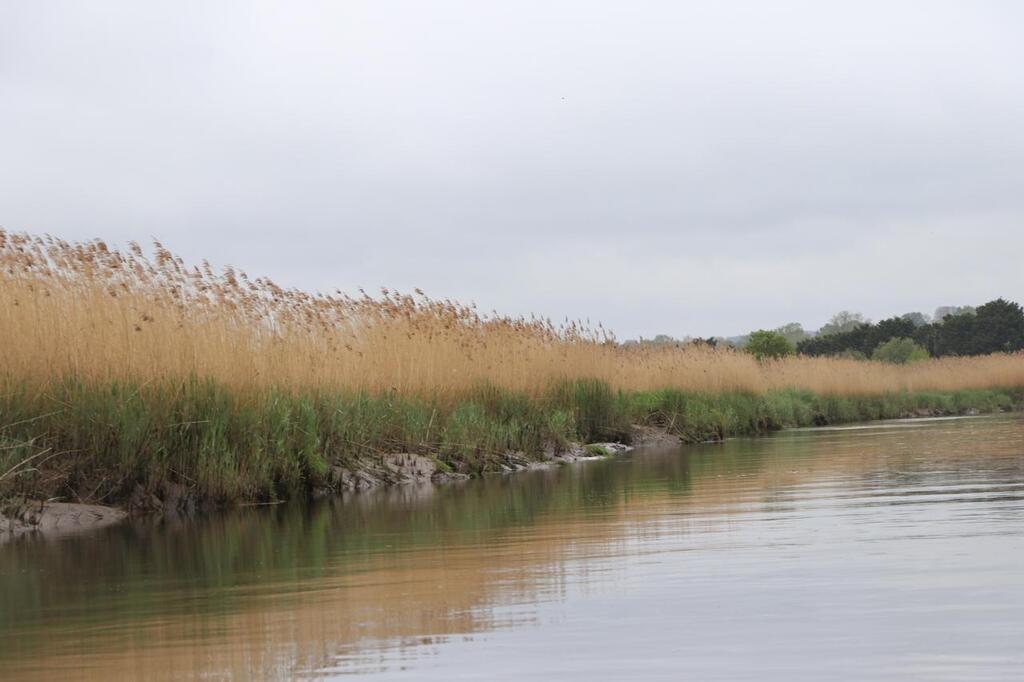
662 167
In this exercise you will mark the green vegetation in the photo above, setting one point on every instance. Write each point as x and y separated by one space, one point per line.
102 443
765 345
899 351
996 327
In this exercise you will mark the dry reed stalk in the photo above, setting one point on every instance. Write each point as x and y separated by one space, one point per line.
86 310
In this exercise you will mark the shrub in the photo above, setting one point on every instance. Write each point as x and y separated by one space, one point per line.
899 351
764 344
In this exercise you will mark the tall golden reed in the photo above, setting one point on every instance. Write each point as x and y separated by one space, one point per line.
102 315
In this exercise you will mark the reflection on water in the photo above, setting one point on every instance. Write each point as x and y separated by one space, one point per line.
895 552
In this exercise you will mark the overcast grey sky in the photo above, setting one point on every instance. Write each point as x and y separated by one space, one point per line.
665 167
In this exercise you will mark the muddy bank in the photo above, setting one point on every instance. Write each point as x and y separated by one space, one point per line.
408 468
174 501
55 519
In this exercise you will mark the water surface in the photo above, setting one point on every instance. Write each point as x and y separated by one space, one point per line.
893 551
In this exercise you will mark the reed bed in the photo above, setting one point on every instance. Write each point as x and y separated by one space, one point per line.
101 315
122 373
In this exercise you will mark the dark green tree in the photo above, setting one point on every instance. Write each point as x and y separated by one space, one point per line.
862 339
955 335
998 327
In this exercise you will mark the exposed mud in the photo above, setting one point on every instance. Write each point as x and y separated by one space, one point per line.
55 519
173 501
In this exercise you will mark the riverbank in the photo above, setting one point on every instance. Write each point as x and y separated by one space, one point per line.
55 519
152 385
179 449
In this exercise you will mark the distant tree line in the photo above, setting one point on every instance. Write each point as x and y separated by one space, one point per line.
997 326
666 340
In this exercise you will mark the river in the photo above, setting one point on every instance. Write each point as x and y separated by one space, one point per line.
885 551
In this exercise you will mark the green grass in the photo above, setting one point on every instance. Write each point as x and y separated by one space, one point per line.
74 440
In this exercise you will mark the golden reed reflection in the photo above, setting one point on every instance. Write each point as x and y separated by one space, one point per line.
274 593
